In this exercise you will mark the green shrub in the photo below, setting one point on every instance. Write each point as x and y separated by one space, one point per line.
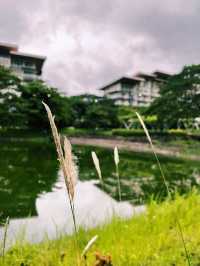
178 132
172 133
128 132
81 132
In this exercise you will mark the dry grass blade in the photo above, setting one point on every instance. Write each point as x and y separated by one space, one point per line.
144 127
55 134
5 236
153 150
166 185
71 168
66 162
116 159
97 166
89 245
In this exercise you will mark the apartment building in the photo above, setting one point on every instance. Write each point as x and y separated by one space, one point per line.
27 67
138 90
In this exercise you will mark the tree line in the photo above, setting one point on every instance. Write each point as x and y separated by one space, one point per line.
179 101
21 106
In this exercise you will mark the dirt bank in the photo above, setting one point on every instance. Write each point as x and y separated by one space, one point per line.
130 146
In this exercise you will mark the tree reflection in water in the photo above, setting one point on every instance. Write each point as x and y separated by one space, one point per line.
27 169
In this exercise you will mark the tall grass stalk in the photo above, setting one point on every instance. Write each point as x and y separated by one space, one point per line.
87 248
68 167
166 185
116 159
97 166
5 237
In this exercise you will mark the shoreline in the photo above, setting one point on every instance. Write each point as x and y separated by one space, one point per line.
122 143
128 145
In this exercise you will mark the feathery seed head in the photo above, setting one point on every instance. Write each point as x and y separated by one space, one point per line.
66 160
89 245
71 168
116 156
96 164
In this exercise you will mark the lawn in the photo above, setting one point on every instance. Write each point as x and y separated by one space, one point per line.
152 238
185 146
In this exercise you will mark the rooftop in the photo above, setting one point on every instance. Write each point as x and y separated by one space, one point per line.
8 46
162 74
28 55
144 75
157 75
132 80
14 50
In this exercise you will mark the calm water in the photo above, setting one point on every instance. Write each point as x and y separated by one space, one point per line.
33 195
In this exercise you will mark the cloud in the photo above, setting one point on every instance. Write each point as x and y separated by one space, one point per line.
89 43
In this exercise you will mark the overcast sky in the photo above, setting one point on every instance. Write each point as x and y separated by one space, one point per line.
89 43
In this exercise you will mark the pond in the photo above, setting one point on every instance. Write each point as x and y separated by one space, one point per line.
33 195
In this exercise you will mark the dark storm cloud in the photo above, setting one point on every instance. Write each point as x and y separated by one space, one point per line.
173 26
89 43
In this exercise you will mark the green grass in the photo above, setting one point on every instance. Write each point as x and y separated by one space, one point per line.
24 135
186 147
169 135
148 239
84 132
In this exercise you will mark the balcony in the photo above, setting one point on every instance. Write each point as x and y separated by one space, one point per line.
25 73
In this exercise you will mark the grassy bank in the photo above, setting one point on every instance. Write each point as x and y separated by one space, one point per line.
24 135
185 144
134 134
149 239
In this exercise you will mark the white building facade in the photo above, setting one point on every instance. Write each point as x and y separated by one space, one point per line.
139 90
26 66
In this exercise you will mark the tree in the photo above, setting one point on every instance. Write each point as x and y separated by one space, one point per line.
21 106
127 116
7 79
21 103
10 114
102 114
179 98
90 111
32 96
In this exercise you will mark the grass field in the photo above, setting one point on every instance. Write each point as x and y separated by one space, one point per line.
148 239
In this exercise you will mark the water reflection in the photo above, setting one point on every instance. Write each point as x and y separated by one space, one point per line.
139 174
32 192
92 206
26 170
